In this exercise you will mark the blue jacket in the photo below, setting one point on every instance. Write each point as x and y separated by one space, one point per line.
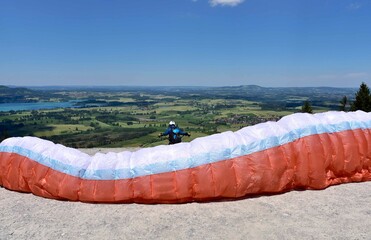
174 134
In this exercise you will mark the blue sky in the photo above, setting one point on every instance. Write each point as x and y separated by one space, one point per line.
270 43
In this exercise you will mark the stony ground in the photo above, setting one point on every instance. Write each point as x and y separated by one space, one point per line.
338 212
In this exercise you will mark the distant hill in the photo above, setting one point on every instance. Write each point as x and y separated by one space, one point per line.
241 88
278 94
15 90
20 94
268 95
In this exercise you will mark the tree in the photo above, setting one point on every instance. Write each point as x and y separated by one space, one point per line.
307 107
363 99
4 134
343 103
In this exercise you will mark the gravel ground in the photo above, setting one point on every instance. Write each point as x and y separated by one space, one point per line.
338 212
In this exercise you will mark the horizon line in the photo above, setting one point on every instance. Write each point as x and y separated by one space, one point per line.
167 86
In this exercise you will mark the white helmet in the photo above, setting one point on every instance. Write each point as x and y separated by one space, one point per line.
171 123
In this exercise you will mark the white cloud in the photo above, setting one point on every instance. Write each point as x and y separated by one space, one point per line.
231 3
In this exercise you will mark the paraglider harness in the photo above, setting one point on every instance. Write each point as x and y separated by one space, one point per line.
175 135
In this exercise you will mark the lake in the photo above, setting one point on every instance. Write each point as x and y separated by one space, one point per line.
4 107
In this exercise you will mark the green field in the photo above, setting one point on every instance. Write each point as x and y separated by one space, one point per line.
135 118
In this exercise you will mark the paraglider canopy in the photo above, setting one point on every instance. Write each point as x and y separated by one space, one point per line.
300 151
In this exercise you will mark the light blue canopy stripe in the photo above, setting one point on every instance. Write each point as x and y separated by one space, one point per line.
185 163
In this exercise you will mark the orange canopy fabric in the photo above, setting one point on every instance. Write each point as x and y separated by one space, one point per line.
301 151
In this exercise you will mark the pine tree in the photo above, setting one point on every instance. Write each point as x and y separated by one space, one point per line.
363 99
307 107
343 103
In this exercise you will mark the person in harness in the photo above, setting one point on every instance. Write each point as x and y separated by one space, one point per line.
175 133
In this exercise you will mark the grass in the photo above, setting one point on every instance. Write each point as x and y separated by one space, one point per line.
200 117
58 129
